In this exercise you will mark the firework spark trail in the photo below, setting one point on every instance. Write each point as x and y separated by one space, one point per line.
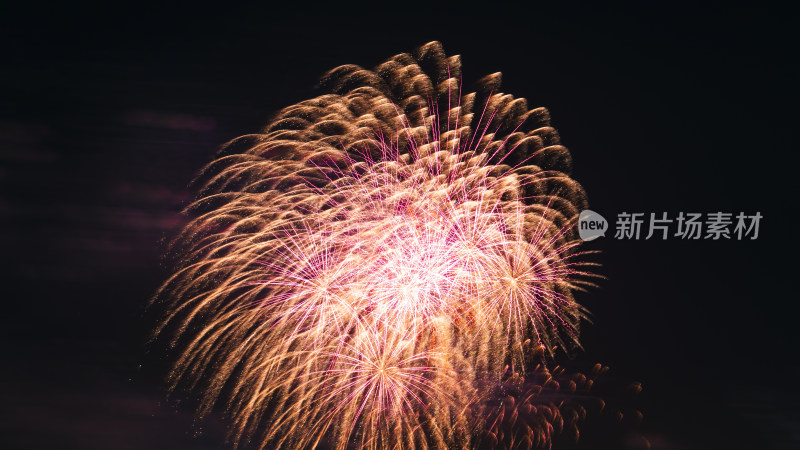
368 272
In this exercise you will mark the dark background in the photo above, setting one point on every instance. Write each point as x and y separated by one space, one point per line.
107 112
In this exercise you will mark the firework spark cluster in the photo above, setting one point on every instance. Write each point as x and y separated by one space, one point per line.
390 265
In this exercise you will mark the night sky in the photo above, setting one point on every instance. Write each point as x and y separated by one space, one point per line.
107 113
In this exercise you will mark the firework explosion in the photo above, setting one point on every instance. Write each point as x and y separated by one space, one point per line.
387 266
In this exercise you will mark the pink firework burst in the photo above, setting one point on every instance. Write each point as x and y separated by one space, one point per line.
361 271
